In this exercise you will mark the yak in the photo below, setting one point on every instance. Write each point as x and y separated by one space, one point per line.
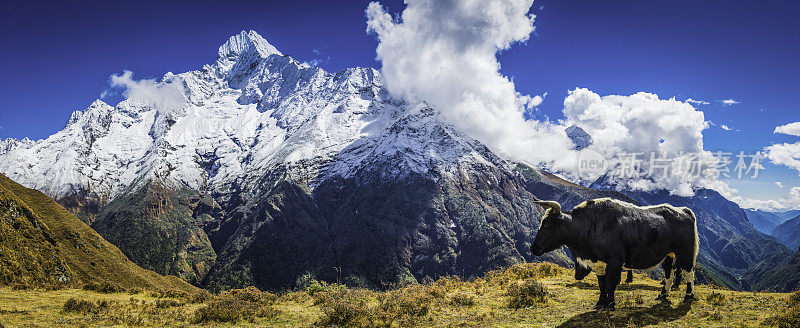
609 236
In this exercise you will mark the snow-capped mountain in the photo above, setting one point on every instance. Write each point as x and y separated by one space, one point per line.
251 110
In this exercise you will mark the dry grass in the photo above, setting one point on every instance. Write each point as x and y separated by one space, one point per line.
447 302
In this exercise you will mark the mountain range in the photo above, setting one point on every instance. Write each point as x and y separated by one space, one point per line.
259 170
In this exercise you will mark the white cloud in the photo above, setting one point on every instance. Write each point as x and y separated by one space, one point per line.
637 123
779 184
642 123
725 127
728 102
696 102
321 59
787 154
166 96
791 128
791 201
444 52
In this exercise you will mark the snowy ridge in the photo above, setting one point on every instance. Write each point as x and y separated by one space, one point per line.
244 43
250 112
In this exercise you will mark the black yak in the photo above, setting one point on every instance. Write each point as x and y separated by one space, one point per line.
610 236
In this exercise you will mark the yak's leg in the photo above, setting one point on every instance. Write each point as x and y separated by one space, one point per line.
613 278
629 279
676 284
689 275
601 303
669 274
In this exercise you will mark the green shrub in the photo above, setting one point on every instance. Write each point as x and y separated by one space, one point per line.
462 299
172 293
200 297
77 305
168 303
716 299
410 301
250 294
314 286
437 291
228 311
525 294
527 271
104 287
343 311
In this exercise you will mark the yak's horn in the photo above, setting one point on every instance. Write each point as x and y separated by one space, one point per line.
549 204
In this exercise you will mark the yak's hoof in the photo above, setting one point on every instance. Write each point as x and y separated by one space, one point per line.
689 298
610 306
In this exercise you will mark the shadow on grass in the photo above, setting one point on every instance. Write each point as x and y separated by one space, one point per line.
631 286
639 316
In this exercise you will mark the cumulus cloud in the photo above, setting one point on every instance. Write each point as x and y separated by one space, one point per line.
787 154
791 201
728 102
696 102
638 123
444 52
644 124
166 96
791 128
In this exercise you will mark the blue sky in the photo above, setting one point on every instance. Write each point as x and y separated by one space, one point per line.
58 57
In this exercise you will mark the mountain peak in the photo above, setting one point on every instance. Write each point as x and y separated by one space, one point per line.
246 42
579 137
96 105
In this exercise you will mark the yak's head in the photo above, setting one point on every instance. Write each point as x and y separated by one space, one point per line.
553 230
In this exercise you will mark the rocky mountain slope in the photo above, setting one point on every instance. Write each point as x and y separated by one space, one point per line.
42 244
764 221
789 233
787 215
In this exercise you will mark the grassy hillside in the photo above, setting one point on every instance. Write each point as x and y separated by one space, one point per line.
43 244
525 295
